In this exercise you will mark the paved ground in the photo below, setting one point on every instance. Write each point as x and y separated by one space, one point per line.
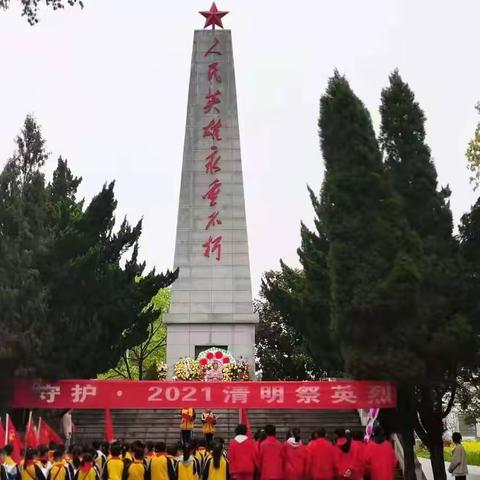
473 475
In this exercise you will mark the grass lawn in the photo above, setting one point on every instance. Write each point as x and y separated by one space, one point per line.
472 448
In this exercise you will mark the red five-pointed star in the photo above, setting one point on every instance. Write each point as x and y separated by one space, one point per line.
213 17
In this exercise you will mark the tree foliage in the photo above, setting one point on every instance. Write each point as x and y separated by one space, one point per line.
280 350
473 154
72 291
442 322
140 361
30 8
384 279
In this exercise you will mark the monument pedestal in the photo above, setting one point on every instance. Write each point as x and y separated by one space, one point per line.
212 298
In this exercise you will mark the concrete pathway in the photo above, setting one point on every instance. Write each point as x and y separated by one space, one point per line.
427 469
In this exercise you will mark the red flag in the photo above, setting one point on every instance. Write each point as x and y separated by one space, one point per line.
243 418
47 434
31 437
2 434
109 433
13 439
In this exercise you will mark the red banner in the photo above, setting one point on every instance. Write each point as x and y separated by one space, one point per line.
93 394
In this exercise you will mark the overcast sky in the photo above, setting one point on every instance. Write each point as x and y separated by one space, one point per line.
109 86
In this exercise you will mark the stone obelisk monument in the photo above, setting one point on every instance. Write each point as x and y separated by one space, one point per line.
212 298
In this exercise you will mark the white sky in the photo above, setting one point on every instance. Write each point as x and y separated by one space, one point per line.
109 86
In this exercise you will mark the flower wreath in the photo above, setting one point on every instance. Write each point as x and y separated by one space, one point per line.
220 356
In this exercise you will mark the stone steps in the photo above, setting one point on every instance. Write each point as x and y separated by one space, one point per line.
163 425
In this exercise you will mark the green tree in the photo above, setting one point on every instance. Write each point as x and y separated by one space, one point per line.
372 253
280 349
30 8
441 323
73 298
302 298
473 154
140 361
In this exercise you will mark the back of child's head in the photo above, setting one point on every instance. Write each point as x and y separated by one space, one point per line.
138 452
58 455
96 445
202 443
116 450
160 447
241 429
172 450
53 445
150 446
29 454
217 452
87 458
8 449
270 430
42 451
187 452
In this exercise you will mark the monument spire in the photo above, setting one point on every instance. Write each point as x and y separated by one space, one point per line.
212 298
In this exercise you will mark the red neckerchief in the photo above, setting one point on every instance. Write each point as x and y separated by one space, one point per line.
86 467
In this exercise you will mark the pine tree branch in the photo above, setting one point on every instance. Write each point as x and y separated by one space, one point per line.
451 401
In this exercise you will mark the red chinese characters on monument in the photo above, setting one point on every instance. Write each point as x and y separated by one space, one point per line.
213 220
212 246
213 192
213 73
211 162
213 99
212 130
211 50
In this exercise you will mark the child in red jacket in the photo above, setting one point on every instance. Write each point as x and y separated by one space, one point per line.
295 457
321 458
380 459
345 456
242 455
271 457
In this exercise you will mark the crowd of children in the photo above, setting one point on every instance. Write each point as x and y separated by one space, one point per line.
264 457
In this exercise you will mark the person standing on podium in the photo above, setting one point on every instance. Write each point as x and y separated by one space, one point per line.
187 419
209 420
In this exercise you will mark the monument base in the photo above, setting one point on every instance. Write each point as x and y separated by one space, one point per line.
188 340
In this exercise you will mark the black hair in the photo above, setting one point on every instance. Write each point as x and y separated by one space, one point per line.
29 454
345 448
87 458
217 453
241 429
187 451
57 454
116 450
42 450
202 443
296 434
172 450
379 434
456 437
96 445
125 448
321 433
53 445
138 452
9 449
340 432
150 446
160 446
270 430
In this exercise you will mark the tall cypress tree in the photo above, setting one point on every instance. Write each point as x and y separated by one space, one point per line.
441 324
372 252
